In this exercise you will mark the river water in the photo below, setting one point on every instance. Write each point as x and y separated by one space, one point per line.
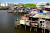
6 22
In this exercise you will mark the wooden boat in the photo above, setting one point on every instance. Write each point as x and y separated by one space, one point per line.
47 8
10 11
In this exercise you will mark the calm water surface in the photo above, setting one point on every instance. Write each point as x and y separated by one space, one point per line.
6 22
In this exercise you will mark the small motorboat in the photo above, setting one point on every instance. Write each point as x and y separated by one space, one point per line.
10 11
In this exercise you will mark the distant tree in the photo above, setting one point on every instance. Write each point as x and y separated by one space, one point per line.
30 5
27 5
15 5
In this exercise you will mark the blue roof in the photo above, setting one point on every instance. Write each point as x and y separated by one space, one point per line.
42 13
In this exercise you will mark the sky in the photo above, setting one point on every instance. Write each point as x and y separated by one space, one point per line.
23 1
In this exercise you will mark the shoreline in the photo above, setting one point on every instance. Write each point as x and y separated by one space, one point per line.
5 9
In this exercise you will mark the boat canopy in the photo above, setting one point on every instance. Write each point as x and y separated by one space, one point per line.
47 17
37 15
42 16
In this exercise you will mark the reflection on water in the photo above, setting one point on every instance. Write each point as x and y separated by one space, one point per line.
6 21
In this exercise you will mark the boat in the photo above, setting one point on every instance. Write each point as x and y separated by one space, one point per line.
48 9
10 11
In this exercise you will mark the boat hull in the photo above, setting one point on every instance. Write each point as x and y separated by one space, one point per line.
48 9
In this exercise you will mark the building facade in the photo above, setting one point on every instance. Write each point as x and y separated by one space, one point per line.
6 4
40 4
43 4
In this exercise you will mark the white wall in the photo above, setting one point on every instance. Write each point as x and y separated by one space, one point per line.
42 3
6 4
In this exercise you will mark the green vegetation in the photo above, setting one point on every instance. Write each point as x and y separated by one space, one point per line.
27 5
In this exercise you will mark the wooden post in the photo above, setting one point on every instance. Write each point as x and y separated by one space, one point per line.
42 30
36 29
49 31
19 23
39 22
25 26
30 28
